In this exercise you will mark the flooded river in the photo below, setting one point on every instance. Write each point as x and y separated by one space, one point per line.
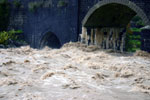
74 72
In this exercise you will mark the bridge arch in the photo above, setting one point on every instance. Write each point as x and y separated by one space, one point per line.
50 40
126 4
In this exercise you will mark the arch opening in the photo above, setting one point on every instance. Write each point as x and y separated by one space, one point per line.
110 15
107 24
50 40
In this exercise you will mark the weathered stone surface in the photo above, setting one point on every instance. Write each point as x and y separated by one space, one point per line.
65 21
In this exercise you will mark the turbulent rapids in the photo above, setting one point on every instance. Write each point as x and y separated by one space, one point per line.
74 72
106 38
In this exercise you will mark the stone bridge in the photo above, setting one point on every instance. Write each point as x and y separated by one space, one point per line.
60 21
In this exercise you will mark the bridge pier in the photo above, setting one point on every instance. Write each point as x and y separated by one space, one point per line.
106 38
145 38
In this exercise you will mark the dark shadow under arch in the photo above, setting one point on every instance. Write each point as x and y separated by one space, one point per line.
50 40
110 13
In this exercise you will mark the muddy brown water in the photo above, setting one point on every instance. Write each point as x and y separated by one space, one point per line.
74 72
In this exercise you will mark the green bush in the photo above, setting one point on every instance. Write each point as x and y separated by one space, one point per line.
136 30
3 37
140 23
133 42
9 35
4 14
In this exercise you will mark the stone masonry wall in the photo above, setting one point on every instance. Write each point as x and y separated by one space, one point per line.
65 21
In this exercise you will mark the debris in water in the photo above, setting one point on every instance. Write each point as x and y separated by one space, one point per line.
126 73
9 62
39 67
47 74
70 67
98 76
26 61
142 53
8 81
